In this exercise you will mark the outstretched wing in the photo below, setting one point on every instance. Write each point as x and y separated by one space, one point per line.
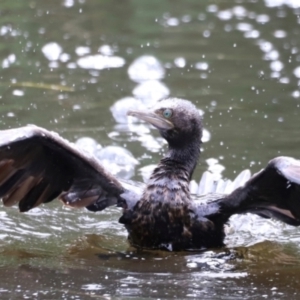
273 192
37 166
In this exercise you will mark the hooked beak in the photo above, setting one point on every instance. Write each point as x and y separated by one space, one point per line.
154 119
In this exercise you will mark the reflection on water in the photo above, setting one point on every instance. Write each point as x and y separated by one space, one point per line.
76 66
72 252
87 269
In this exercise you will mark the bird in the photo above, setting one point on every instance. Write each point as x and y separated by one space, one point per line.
38 166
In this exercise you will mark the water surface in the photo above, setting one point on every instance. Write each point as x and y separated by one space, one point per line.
65 63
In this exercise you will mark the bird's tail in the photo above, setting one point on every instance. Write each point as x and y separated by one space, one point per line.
273 192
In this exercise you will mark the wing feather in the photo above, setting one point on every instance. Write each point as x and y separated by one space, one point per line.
37 166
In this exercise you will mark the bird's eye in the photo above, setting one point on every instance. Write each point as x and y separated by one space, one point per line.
167 113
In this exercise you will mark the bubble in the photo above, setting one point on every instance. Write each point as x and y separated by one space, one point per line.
284 80
146 68
297 72
52 51
265 46
172 22
206 33
240 12
275 3
120 108
253 34
99 62
106 50
151 91
244 27
201 66
276 65
212 8
10 59
118 160
11 114
224 15
296 94
87 144
68 3
92 286
180 62
280 119
18 93
280 34
262 19
81 50
186 18
64 57
272 55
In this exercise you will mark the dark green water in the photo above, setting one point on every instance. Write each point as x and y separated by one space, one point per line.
238 61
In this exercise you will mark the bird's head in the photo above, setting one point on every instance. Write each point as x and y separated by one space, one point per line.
177 120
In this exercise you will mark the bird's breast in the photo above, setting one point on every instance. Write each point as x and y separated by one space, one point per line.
155 224
165 217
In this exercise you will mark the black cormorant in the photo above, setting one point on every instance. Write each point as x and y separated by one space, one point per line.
37 166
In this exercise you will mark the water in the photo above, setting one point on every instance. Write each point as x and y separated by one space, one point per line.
65 64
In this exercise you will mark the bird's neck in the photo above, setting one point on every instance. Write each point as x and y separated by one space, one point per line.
170 179
186 157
